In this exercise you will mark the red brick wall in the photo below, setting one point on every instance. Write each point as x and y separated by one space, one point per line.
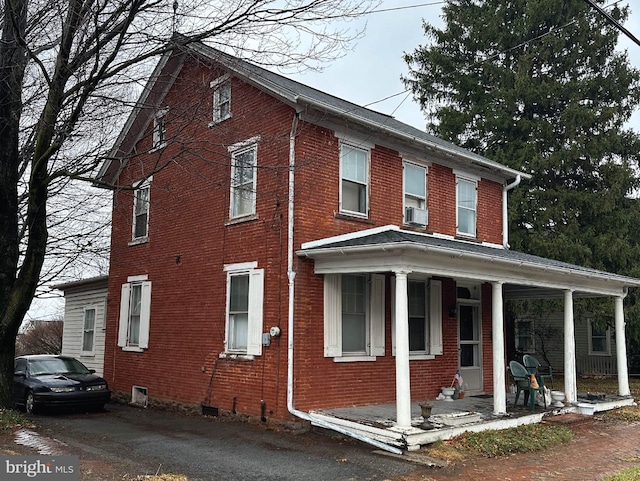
189 244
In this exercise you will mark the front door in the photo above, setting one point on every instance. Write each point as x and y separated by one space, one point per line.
470 346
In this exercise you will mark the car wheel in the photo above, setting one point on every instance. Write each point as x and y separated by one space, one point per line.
29 406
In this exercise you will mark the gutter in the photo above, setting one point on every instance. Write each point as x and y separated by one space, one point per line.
505 214
291 275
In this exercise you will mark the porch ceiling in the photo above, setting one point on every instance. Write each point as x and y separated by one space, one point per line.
524 276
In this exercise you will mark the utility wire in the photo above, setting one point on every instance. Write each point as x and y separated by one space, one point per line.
612 21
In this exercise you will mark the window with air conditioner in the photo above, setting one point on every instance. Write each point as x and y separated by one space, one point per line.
415 194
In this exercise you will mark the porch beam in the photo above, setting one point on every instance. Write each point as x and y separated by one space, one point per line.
403 382
497 327
621 348
570 381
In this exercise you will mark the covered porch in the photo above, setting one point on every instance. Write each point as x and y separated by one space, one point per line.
449 419
510 275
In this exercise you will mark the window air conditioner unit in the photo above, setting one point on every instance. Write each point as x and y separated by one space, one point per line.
416 216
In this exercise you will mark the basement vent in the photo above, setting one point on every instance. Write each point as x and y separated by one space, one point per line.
139 396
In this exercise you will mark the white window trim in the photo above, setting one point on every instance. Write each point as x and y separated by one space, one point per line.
156 145
365 148
473 180
95 308
237 149
255 314
434 321
404 188
590 340
333 319
216 85
143 184
145 314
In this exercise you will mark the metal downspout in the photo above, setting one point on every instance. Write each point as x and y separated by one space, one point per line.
291 276
505 219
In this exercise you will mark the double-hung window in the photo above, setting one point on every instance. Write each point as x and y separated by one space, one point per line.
245 286
160 129
415 194
354 316
140 227
135 310
354 179
88 329
424 316
243 178
525 340
221 98
466 202
599 340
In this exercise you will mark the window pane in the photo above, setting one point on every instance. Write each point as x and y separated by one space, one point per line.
417 315
414 180
354 164
242 183
89 319
239 295
141 210
417 335
466 221
354 197
87 341
134 314
468 355
239 331
467 324
354 318
598 344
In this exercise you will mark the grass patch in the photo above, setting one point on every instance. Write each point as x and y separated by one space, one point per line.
631 474
629 414
11 420
492 443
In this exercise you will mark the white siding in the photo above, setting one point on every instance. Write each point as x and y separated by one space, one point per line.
75 302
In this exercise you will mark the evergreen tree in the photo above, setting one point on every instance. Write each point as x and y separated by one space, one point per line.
538 85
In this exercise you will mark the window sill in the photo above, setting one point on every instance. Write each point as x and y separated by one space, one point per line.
354 358
87 354
132 349
236 357
352 217
421 357
600 354
157 148
240 220
139 240
467 237
215 122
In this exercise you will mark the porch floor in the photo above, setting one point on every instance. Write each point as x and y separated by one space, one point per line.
378 421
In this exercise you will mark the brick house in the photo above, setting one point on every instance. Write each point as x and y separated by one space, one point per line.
275 235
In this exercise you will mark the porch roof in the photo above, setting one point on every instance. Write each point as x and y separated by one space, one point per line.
389 248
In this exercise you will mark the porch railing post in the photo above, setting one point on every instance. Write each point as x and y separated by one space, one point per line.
570 381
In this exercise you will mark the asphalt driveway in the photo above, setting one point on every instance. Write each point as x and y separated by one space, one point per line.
126 440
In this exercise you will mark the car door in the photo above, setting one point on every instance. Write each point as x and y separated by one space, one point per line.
19 380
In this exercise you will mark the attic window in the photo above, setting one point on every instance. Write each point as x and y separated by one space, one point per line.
160 129
221 99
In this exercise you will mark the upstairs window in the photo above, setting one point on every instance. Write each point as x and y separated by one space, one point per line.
415 194
140 229
466 201
354 175
160 129
243 178
221 98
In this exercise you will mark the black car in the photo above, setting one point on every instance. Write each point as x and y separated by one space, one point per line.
46 380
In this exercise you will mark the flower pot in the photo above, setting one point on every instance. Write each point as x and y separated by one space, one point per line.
425 409
461 395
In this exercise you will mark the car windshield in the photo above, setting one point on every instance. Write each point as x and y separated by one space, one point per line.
56 365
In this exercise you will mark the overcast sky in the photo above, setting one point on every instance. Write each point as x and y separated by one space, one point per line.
372 71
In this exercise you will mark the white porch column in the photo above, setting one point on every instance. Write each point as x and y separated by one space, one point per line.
621 349
497 327
570 382
403 383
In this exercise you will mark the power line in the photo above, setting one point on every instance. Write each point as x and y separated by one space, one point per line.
612 21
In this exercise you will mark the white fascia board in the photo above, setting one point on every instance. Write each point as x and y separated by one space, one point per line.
349 236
